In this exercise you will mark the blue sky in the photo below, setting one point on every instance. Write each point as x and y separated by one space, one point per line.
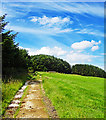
68 30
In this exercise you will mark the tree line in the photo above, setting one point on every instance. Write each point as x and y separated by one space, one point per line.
49 63
88 70
14 59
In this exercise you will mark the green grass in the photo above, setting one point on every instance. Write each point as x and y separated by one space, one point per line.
9 89
75 96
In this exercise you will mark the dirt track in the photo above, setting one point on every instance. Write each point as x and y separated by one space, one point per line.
32 105
35 103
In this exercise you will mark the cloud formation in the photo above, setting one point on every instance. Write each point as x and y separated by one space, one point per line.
95 48
77 57
51 51
56 51
85 44
60 25
50 21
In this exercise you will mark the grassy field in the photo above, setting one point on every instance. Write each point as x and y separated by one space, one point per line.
9 89
75 96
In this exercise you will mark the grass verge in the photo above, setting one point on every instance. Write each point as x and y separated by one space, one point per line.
10 88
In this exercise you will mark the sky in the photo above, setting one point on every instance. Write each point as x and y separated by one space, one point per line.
72 31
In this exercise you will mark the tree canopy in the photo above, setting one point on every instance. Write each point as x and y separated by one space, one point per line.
49 63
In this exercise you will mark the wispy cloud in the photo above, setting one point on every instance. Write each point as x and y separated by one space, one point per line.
90 32
45 31
78 8
57 24
26 30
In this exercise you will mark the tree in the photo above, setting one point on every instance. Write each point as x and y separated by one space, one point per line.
9 47
12 56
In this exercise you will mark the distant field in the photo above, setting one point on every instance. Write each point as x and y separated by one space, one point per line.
75 96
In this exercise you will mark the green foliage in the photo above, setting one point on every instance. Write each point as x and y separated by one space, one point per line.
75 96
49 63
12 56
30 69
32 76
10 88
88 70
29 77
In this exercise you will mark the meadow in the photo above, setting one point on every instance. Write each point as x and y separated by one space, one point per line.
75 96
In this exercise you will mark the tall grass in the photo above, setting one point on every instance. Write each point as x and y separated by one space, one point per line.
10 87
75 96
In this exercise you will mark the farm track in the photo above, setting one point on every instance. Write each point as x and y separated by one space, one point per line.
35 104
32 105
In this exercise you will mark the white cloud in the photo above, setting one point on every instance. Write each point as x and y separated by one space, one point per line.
84 44
77 57
46 50
51 51
50 21
95 48
58 30
34 19
20 47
